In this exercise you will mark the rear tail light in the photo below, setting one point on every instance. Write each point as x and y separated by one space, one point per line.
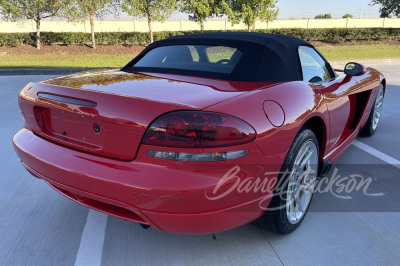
21 111
197 157
20 106
193 129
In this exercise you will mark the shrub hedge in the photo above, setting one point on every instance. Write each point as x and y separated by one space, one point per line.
136 38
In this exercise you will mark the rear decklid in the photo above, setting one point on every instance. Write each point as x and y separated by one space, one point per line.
107 112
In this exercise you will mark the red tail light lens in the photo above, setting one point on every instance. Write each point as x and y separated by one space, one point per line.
191 129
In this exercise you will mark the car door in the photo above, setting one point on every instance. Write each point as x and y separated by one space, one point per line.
335 90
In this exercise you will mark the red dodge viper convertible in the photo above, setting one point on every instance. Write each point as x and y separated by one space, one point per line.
200 133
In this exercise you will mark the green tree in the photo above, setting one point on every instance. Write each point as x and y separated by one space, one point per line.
201 10
323 16
388 7
153 10
36 10
248 10
348 16
84 10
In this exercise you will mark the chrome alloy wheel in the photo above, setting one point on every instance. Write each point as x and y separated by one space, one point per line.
377 109
302 181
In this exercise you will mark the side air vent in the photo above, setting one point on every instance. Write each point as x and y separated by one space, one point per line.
360 101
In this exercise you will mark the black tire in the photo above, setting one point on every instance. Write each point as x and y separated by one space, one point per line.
368 130
275 218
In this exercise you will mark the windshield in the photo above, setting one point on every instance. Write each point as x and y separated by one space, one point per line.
219 59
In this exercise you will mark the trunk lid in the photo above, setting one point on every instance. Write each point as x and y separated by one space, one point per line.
107 112
188 91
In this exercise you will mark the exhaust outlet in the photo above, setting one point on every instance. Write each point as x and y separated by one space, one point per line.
326 167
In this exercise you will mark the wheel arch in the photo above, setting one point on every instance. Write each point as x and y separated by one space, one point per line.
318 126
383 82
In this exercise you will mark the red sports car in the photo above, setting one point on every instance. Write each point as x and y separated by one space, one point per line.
199 133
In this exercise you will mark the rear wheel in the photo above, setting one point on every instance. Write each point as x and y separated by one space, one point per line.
372 124
294 189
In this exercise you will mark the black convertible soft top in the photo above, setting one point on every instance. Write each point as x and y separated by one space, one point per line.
266 57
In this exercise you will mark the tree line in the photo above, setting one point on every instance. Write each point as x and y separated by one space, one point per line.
246 11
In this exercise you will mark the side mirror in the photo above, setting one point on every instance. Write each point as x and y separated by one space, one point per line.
354 69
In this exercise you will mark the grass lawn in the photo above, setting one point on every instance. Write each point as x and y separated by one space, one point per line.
10 58
333 53
63 61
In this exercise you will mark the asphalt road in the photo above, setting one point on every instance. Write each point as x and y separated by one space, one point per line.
40 227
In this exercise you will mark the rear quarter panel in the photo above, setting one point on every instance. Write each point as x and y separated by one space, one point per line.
299 101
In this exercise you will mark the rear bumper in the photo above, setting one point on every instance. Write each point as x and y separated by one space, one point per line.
169 197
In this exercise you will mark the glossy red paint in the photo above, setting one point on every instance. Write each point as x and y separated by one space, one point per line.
274 113
110 170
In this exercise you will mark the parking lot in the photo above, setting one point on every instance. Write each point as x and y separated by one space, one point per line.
40 227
